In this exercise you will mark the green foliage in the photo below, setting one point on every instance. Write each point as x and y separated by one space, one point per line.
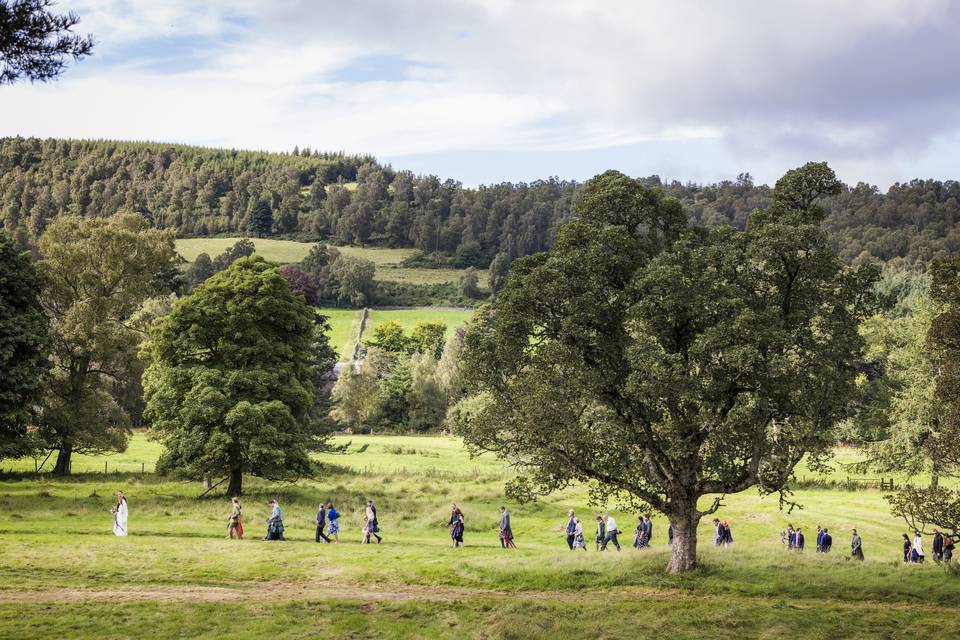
261 219
200 191
97 273
931 405
36 43
426 399
427 338
356 395
242 248
389 336
470 284
911 410
233 377
199 270
665 363
394 392
23 347
354 277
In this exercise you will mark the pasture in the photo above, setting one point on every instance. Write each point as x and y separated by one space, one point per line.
388 261
68 576
344 324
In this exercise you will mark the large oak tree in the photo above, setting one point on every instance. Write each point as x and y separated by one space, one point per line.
664 363
235 369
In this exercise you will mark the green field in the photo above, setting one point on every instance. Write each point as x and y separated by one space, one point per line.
344 324
287 251
408 318
66 576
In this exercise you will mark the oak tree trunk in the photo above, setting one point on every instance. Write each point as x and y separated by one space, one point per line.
236 482
62 468
683 556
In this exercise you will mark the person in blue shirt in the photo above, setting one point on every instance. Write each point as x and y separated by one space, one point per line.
334 519
819 539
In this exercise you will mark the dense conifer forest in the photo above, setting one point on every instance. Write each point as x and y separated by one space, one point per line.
309 195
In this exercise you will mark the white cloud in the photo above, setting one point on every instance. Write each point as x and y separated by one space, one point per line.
773 81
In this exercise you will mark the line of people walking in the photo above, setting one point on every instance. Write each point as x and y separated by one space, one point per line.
943 547
794 540
607 531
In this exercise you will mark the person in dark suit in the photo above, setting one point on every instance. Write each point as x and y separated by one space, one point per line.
571 529
937 545
321 523
798 540
826 542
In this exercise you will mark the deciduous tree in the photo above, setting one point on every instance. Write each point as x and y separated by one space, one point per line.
233 377
24 344
97 273
664 364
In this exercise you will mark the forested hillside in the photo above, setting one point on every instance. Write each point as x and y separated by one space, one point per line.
354 200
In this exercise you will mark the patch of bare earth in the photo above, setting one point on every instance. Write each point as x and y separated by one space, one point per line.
277 591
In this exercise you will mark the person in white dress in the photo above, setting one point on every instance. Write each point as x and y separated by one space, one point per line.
120 515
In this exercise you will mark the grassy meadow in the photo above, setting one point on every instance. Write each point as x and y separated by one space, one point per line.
177 575
387 261
344 324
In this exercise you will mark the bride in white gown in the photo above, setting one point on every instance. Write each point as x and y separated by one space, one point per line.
120 515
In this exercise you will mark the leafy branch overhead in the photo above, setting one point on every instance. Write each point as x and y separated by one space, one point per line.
36 43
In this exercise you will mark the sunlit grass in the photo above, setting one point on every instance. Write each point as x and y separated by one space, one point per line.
55 535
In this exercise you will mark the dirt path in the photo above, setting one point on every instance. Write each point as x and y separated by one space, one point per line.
275 592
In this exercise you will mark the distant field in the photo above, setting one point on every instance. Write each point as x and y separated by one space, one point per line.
288 251
428 276
408 318
273 250
343 328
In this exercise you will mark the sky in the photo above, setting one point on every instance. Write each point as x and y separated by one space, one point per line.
485 91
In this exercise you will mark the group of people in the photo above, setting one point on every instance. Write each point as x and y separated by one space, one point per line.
606 532
942 547
722 537
328 526
794 539
328 523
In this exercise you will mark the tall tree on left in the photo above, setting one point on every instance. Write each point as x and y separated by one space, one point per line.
23 347
36 43
97 273
233 379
